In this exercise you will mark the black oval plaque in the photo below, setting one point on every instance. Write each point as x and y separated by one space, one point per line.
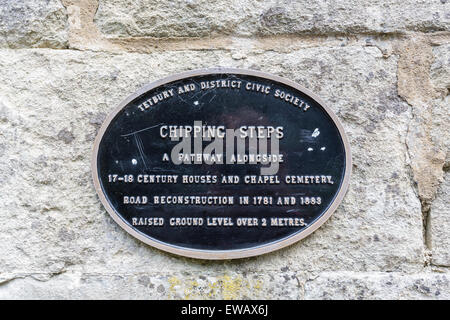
221 163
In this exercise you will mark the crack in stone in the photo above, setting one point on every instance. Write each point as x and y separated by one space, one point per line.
415 87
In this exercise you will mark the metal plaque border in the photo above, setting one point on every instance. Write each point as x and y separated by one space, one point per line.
221 254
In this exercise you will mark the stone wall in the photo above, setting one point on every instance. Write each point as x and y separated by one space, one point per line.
382 66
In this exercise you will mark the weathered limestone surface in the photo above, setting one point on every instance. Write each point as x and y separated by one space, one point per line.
52 103
199 18
33 23
439 220
440 77
426 152
378 286
382 66
440 224
440 70
227 286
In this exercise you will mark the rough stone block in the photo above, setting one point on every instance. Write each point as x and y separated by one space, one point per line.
440 224
440 77
199 18
440 69
378 286
153 286
33 23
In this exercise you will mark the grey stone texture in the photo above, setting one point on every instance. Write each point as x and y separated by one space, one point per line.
33 23
382 66
202 18
439 224
439 220
378 286
156 286
440 77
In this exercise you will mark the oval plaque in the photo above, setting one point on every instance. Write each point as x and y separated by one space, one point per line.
221 163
